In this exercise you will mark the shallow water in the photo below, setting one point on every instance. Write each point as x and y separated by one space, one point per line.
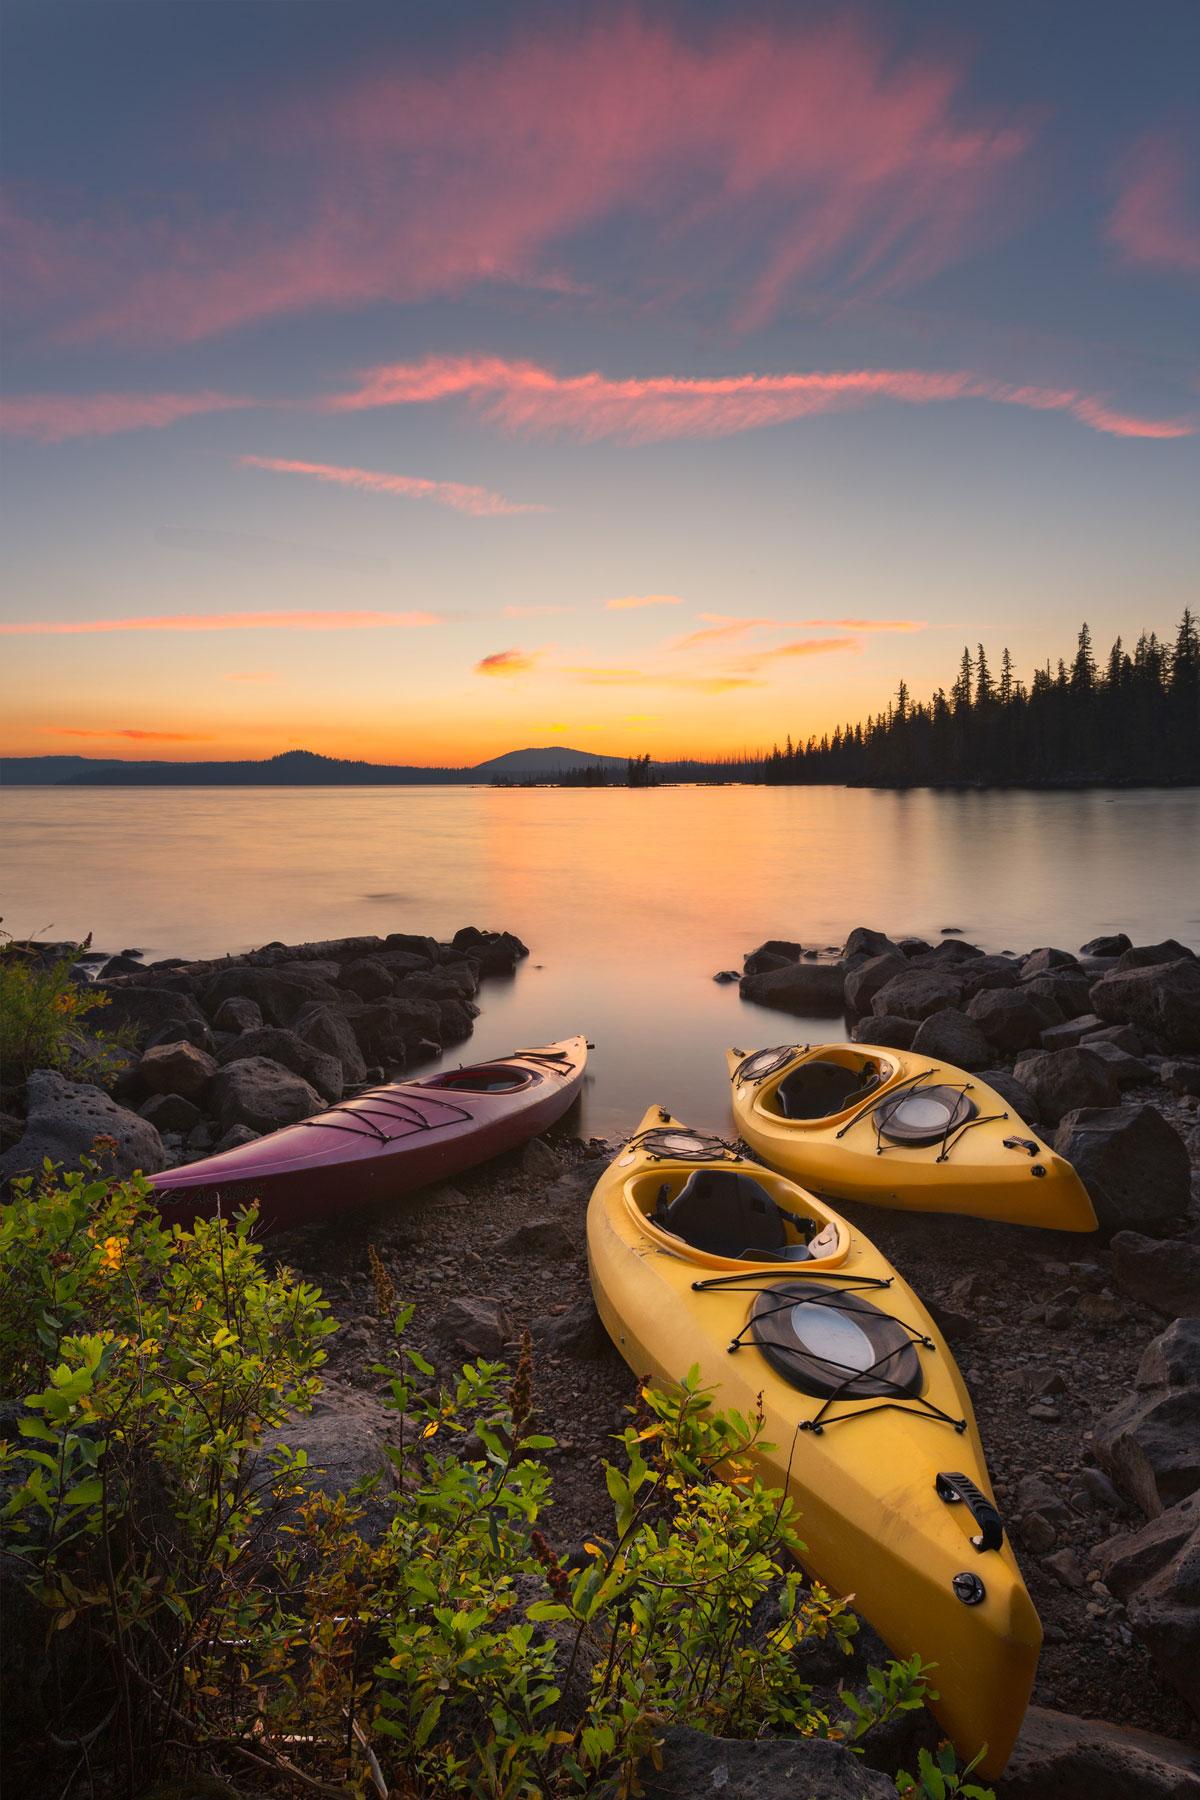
630 900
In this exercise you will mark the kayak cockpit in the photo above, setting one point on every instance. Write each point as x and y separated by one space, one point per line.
828 1085
727 1214
484 1078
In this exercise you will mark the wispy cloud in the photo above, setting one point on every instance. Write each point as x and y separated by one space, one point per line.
721 627
1152 221
528 398
141 737
245 621
612 675
634 602
507 662
53 418
802 647
479 501
733 160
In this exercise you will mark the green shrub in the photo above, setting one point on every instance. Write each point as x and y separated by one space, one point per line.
41 1009
224 1614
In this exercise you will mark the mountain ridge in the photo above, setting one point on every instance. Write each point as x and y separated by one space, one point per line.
289 768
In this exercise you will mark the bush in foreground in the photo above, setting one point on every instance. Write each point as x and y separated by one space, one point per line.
204 1607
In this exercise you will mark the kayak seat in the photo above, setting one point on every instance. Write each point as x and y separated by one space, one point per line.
726 1214
816 1090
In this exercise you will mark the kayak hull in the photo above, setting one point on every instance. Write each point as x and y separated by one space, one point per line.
995 1168
864 1486
384 1143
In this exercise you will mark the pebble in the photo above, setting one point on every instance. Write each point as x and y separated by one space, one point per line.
1046 1410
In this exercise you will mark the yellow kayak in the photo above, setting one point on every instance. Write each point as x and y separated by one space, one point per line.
696 1252
892 1128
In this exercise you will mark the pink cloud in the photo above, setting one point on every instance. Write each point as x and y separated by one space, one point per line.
634 602
507 662
141 737
720 627
1151 221
246 621
481 502
527 398
742 160
52 418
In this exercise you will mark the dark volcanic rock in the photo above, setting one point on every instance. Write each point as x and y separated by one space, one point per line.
1068 990
171 1112
238 1014
915 993
330 1033
1061 1757
950 955
695 1765
322 1072
155 1015
1150 1443
425 947
1156 1572
1070 1032
987 972
368 978
1161 1273
178 1068
868 975
772 955
1181 1076
863 944
496 952
951 1037
1106 946
538 1237
280 994
1011 1019
1125 1037
480 1327
1147 956
805 987
886 1030
1162 999
389 1031
1040 962
1013 1092
63 1120
578 1332
1126 1070
1063 1081
1132 1163
262 1094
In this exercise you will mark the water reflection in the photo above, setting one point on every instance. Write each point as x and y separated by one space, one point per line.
630 900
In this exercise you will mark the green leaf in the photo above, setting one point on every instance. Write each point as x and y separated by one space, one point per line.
547 1610
85 1493
427 1721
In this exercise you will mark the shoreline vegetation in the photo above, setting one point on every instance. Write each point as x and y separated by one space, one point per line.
357 1616
1134 722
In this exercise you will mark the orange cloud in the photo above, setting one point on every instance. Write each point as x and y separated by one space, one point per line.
481 502
1150 221
147 737
248 621
507 662
728 159
722 627
52 418
524 397
608 675
632 602
803 647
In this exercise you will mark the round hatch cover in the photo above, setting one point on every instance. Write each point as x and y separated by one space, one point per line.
924 1115
764 1062
828 1342
683 1145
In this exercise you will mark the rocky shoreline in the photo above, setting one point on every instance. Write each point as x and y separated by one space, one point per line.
1082 1355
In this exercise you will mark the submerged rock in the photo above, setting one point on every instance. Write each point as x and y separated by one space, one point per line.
805 987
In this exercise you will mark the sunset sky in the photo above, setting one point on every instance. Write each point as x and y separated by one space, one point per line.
421 382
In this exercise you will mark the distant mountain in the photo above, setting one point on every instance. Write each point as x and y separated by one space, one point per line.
546 762
44 771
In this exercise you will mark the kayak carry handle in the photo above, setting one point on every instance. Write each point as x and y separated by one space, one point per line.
953 1488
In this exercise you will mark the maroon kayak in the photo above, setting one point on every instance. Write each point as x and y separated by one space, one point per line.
384 1142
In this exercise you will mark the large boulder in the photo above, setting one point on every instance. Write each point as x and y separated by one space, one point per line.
262 1094
1147 956
950 1037
1040 962
863 945
916 993
238 1014
1162 998
1156 1572
391 1031
1013 1092
280 994
178 1068
1011 1018
322 1072
886 1030
694 1765
1161 1273
1070 1032
330 1032
453 981
987 972
1181 1075
155 1015
950 954
1150 1442
368 978
496 952
64 1119
1070 990
345 1438
171 1113
1062 1081
412 942
805 987
1113 945
870 973
1126 1070
1061 1757
1133 1164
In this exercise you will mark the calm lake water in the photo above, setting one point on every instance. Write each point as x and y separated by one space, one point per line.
629 900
